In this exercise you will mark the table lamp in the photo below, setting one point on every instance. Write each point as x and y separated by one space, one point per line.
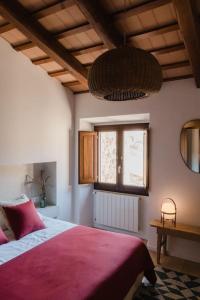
168 211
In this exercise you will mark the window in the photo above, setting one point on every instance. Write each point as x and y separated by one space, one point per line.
121 158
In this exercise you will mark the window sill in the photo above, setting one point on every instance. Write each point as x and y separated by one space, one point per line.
123 190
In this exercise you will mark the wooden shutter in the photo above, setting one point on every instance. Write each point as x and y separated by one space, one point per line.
87 157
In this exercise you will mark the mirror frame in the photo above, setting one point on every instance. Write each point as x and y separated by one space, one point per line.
188 122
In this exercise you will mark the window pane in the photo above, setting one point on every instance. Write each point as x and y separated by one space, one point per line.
107 157
134 158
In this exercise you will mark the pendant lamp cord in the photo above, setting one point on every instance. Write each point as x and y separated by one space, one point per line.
125 10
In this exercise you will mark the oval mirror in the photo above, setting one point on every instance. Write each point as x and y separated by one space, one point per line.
190 145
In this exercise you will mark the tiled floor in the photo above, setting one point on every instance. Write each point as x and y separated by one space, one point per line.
178 264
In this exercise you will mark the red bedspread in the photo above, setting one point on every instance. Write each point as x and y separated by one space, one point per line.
81 263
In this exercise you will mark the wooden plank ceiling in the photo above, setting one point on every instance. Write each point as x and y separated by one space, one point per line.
65 37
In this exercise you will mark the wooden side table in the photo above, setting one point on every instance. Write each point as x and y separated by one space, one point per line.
183 231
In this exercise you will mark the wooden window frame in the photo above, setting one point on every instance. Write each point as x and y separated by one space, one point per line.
119 187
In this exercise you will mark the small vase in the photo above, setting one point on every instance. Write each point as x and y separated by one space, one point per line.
43 201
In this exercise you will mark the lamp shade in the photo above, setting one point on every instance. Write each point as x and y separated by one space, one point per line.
125 73
168 210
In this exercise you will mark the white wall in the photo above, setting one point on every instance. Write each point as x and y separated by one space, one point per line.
177 103
12 179
36 118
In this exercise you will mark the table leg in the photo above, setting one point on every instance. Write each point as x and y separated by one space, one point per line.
165 244
159 243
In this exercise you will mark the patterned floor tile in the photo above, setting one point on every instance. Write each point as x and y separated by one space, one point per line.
170 285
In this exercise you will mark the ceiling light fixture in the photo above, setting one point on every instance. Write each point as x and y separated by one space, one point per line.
125 73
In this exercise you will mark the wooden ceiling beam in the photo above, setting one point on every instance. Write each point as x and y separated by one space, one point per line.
101 22
176 65
24 46
81 92
53 8
88 49
58 73
41 61
47 59
71 83
154 32
6 27
73 30
168 49
190 28
139 9
15 13
178 77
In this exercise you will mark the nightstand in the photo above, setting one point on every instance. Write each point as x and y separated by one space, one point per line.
49 211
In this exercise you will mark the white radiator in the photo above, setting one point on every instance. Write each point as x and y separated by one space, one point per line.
116 211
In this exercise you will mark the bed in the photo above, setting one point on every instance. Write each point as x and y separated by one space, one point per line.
65 261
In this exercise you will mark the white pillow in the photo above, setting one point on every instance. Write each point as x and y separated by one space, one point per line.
22 199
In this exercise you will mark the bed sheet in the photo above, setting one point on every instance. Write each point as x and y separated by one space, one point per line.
14 248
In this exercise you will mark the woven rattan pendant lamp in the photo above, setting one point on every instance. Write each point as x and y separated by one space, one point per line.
124 73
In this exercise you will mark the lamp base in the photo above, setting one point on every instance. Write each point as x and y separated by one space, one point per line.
165 220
